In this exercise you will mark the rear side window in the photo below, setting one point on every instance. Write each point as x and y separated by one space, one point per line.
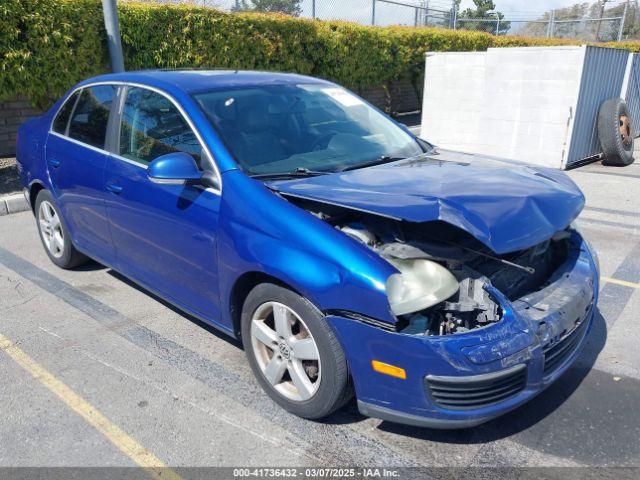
89 121
62 118
152 126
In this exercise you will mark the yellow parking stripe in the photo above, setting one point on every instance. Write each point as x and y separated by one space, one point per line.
91 415
624 283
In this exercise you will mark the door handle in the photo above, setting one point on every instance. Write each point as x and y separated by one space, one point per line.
54 162
114 188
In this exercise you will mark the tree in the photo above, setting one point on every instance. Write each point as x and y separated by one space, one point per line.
483 17
290 7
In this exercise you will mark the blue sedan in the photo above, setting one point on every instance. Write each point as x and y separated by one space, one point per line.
352 258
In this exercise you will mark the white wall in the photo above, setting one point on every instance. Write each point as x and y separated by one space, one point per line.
508 102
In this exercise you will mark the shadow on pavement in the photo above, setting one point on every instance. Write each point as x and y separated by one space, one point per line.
90 266
191 318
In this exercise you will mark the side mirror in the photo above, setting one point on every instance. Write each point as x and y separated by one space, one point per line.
174 169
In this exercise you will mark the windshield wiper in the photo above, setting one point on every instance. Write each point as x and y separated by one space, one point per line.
297 173
378 161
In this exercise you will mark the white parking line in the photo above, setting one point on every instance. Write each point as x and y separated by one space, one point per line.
128 445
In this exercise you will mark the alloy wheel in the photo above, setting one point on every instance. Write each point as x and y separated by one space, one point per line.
51 229
285 351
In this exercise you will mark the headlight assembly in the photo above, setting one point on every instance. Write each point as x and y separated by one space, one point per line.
419 285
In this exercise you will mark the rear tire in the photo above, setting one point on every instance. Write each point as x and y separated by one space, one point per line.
54 233
615 132
281 364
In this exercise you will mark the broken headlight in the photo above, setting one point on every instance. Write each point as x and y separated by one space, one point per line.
420 284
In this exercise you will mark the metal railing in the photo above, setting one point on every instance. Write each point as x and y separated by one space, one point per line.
605 29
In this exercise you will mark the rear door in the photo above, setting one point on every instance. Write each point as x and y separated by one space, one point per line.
165 235
76 160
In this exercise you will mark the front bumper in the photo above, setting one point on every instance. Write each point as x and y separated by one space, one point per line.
463 380
397 416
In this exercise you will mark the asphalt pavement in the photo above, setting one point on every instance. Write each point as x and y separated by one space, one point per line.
94 371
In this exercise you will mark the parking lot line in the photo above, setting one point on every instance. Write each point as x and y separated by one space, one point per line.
90 414
624 283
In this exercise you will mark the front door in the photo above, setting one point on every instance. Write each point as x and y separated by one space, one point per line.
165 235
76 160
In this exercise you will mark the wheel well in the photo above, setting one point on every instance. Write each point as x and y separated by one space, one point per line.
33 194
244 284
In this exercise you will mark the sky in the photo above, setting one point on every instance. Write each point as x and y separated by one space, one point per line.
524 6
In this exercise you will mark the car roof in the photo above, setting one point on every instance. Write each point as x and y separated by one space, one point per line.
191 81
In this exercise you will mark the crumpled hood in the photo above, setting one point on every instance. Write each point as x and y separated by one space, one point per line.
506 206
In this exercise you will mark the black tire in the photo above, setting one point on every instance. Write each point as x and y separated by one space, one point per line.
70 257
335 388
617 148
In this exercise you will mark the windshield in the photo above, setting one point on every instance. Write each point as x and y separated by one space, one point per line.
286 128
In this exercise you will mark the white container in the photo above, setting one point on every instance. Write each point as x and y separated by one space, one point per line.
533 104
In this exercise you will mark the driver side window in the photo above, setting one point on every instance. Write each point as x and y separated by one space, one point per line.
152 126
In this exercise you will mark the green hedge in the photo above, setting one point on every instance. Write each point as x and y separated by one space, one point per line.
48 45
354 55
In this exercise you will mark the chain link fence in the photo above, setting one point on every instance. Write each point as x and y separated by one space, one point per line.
432 13
599 30
398 12
588 29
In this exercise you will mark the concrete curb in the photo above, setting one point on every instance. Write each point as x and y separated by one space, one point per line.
13 203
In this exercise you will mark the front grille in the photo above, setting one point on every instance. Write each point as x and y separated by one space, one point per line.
476 391
556 354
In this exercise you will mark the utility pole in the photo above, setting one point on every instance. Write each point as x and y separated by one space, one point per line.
624 17
600 19
497 30
551 27
110 11
454 7
373 12
425 14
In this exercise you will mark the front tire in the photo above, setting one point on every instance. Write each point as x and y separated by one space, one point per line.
293 352
54 233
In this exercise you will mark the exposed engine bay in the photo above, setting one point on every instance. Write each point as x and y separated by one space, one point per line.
444 270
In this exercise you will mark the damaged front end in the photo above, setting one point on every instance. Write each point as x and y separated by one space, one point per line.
477 272
477 332
445 276
491 295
